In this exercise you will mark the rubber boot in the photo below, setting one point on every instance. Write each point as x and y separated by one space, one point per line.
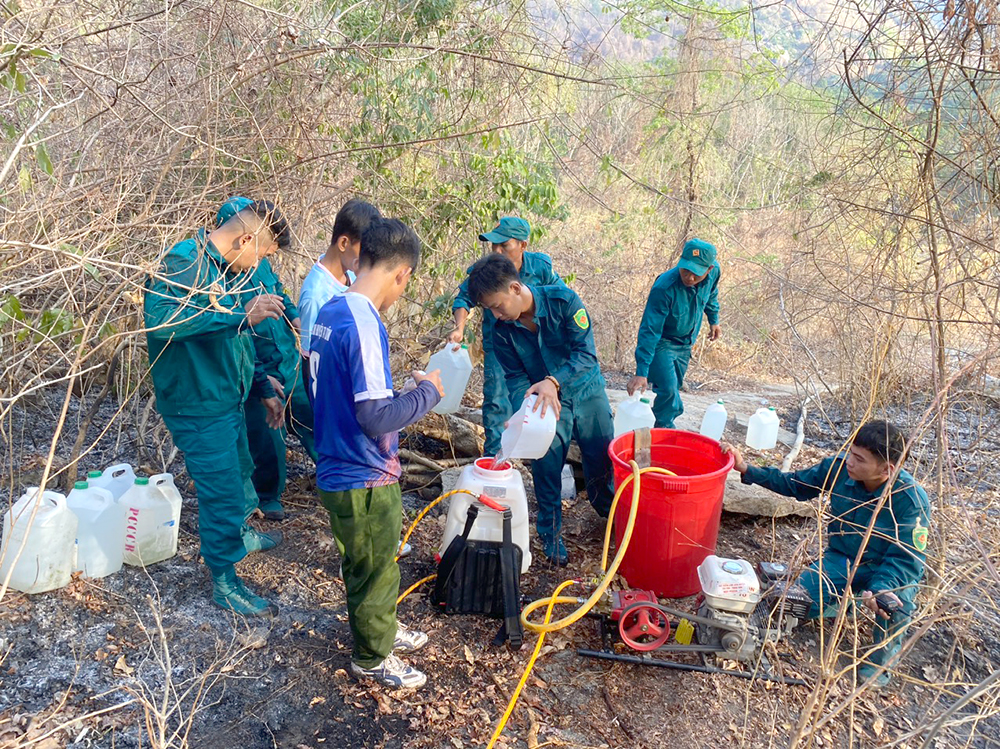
255 541
273 510
555 550
229 592
887 633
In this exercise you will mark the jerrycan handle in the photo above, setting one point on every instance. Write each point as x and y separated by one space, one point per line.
161 478
57 499
119 470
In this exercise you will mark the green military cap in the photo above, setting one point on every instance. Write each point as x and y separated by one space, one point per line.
698 256
230 208
510 227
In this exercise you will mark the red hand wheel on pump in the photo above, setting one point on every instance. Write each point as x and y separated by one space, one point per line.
644 627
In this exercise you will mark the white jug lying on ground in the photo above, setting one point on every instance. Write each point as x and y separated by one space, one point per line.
100 535
49 555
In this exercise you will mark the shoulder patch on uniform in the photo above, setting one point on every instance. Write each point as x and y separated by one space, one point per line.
581 319
920 535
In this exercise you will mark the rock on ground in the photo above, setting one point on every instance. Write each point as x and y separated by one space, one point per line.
755 500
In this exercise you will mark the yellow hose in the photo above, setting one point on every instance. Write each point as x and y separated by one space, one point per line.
555 599
531 662
610 572
420 515
415 585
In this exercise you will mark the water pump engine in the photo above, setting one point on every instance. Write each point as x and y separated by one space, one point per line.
738 616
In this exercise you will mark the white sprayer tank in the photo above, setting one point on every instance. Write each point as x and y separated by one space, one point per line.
713 423
100 535
116 479
635 412
49 555
505 487
456 367
528 434
150 524
762 431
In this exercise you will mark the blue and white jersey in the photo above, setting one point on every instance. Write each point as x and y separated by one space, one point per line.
349 364
318 288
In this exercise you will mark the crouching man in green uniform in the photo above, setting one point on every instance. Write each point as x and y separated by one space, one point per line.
276 343
510 239
670 325
545 345
202 363
891 564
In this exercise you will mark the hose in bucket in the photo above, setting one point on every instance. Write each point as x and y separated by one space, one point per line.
555 599
608 572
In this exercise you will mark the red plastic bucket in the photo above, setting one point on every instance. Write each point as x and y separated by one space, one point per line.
678 520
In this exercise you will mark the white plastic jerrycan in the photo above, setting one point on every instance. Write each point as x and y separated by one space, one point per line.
100 535
456 367
49 555
762 431
633 413
713 423
503 486
116 479
150 534
528 433
165 483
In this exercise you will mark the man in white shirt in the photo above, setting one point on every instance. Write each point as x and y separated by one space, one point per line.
334 272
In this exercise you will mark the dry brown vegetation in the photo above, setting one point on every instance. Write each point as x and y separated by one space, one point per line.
851 186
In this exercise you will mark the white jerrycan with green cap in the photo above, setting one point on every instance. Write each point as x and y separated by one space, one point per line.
116 479
762 429
713 423
100 535
635 412
150 524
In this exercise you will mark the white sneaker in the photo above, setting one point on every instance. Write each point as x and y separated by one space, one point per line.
408 640
404 550
393 673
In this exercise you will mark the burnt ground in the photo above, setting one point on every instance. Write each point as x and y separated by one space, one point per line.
142 658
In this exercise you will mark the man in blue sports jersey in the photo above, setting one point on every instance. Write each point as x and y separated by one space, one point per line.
357 419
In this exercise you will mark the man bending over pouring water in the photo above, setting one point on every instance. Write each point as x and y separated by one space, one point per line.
545 345
510 239
887 569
